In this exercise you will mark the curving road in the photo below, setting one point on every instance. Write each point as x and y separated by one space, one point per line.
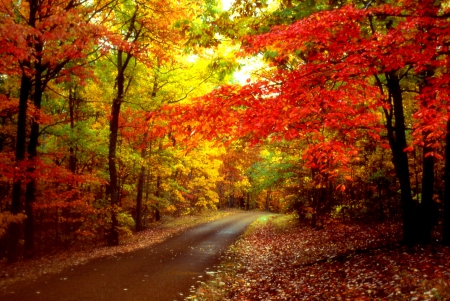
162 272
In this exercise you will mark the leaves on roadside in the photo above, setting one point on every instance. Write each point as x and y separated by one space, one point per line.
339 262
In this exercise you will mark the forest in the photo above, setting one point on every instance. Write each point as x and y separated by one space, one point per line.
117 113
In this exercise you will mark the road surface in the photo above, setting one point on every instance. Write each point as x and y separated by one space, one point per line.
165 271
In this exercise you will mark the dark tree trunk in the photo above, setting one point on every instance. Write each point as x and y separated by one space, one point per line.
123 59
72 156
30 196
397 141
428 209
157 214
113 239
25 88
157 195
314 202
247 204
14 228
427 205
446 230
140 190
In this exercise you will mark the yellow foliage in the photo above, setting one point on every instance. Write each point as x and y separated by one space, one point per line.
171 209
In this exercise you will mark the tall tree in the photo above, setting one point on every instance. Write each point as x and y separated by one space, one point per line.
144 32
328 69
38 23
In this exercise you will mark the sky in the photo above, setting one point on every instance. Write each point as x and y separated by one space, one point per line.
226 4
249 65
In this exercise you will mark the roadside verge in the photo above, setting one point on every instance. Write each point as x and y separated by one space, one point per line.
278 259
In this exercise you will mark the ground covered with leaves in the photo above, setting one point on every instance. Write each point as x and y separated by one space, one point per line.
278 259
33 268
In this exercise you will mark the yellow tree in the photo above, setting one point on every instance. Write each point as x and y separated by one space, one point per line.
142 34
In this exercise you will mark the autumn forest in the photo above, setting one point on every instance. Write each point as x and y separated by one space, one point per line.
117 113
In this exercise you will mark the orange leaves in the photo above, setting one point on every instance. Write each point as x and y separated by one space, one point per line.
330 159
340 187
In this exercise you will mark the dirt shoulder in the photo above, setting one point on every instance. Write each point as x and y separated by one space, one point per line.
281 260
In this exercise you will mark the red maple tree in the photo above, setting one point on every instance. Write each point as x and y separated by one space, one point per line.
336 74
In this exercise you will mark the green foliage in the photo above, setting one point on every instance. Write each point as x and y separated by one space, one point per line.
126 223
273 169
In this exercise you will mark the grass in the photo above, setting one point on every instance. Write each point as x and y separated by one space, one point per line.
171 222
260 221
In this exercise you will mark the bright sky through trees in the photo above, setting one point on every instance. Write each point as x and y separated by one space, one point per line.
226 4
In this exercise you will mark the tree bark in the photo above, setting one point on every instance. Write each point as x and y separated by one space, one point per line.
427 212
140 190
72 155
397 141
247 204
158 195
123 60
113 239
30 195
14 228
268 201
25 89
446 230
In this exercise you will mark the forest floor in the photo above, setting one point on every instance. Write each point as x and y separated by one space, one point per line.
54 263
279 259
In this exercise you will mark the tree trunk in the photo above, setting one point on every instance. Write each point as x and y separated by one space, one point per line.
30 196
427 212
247 204
113 239
25 88
446 230
14 228
122 64
314 201
397 141
72 156
140 190
157 214
157 195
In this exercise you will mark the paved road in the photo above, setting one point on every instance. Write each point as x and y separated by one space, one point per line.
163 272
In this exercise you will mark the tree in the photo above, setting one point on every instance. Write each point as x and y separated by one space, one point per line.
35 24
335 72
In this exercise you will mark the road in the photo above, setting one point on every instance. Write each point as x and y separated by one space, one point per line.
162 272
